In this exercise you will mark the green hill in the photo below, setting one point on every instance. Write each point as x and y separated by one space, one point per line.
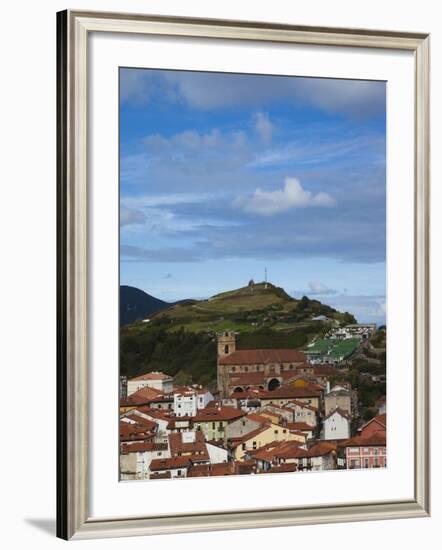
181 340
246 309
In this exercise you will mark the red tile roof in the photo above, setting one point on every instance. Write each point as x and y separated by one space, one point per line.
141 421
301 426
197 447
214 414
258 418
290 449
145 395
236 441
262 356
142 446
292 392
205 470
321 449
158 414
378 439
132 432
138 447
169 463
269 452
247 378
380 419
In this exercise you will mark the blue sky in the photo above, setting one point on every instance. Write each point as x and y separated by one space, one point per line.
224 175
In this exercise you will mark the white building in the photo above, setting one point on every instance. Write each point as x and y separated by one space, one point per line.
136 457
217 453
155 380
337 425
204 398
302 412
322 458
188 401
185 403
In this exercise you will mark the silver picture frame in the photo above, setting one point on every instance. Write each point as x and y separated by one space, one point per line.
73 518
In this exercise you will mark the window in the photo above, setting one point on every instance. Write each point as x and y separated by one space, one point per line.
232 369
254 445
226 349
179 473
213 425
243 446
276 432
365 462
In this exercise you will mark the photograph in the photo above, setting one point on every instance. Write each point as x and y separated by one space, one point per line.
252 273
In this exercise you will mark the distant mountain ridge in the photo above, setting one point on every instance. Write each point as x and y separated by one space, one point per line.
135 304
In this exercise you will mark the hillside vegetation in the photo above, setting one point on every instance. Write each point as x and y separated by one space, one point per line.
181 340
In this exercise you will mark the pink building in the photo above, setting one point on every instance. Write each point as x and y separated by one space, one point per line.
366 451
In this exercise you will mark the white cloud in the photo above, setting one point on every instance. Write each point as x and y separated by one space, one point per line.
293 195
131 216
137 86
319 288
207 91
263 127
171 199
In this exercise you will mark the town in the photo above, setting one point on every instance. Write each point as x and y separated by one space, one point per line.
273 410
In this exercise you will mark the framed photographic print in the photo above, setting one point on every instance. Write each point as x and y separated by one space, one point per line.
242 275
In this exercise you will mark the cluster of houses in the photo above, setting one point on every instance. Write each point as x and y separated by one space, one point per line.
272 412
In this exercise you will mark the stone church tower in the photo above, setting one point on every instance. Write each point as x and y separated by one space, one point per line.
226 343
226 346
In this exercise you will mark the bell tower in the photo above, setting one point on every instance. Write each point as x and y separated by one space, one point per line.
226 343
226 346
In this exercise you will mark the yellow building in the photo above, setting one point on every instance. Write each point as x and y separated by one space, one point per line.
265 434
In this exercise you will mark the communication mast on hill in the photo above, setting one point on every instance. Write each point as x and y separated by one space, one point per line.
265 277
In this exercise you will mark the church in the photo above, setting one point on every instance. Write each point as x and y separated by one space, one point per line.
264 369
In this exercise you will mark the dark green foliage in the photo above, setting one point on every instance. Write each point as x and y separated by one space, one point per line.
192 356
369 414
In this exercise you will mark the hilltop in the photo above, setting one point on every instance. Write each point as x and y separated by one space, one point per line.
246 309
181 339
